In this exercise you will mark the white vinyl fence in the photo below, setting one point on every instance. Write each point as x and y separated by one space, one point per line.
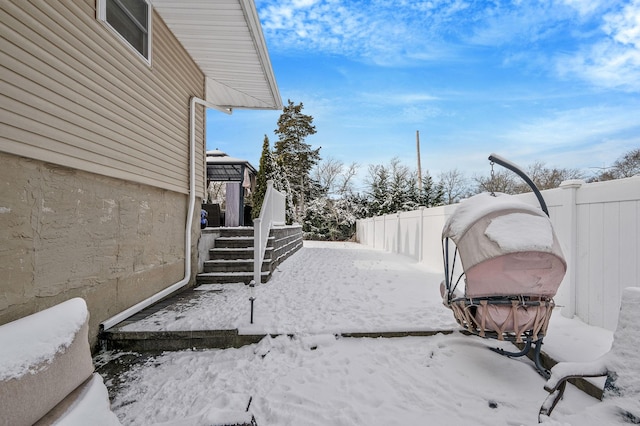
272 213
598 225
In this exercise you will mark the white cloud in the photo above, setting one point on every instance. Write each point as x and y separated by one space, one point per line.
572 126
576 138
304 3
401 32
398 98
498 27
571 131
585 7
419 113
388 109
383 32
624 27
613 61
325 25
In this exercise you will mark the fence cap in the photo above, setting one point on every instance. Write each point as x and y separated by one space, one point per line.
571 183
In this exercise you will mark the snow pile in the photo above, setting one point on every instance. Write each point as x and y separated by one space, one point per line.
622 362
507 232
92 407
472 209
624 358
23 345
573 340
225 409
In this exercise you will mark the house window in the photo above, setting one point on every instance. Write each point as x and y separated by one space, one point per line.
131 19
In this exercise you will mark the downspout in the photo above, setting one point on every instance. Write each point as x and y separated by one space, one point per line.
116 319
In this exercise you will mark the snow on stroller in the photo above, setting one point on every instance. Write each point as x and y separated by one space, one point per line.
512 266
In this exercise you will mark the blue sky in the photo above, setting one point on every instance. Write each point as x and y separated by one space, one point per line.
555 81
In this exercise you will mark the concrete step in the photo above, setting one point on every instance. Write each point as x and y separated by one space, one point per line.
238 242
236 253
229 277
233 265
245 231
233 242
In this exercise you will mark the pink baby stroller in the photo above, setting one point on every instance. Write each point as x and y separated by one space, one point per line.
512 266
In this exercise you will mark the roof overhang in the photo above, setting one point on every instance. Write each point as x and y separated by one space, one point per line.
225 39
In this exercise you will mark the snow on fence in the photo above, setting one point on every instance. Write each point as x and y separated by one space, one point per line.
598 225
272 213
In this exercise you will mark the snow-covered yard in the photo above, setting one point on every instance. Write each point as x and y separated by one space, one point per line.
314 378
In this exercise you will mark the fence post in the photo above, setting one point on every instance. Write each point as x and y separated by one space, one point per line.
257 251
420 234
270 205
570 207
398 244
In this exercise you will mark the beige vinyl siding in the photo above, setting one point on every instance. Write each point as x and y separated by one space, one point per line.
74 94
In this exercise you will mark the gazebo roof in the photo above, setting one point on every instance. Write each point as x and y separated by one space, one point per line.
223 168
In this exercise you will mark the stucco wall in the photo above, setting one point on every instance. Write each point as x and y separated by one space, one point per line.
68 233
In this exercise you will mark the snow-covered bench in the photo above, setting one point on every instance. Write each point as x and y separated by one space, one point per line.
46 370
621 365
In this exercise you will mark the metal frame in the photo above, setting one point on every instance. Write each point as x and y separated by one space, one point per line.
527 338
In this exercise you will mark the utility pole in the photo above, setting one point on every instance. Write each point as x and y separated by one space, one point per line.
419 166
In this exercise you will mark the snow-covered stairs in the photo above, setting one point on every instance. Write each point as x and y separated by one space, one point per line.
231 258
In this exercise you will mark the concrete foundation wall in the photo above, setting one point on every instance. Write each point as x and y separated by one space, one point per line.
68 233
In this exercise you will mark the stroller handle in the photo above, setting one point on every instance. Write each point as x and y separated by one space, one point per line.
511 166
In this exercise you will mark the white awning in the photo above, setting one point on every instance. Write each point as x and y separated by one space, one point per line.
224 37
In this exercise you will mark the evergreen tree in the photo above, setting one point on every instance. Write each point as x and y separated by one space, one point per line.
269 169
394 188
281 183
294 155
399 186
265 172
432 194
379 190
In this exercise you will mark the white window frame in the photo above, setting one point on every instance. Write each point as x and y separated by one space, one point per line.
101 12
